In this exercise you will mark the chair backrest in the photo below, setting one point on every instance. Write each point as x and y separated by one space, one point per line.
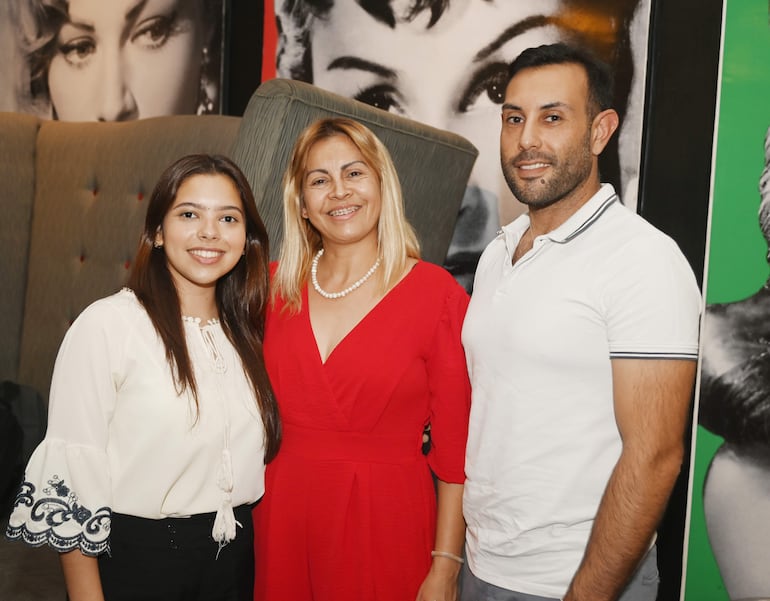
18 134
433 165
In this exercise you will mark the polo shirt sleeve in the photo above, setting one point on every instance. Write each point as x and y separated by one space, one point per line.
652 302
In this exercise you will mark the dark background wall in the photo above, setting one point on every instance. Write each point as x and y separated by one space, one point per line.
675 178
243 39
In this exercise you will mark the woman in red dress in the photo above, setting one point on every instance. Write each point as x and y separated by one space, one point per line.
362 346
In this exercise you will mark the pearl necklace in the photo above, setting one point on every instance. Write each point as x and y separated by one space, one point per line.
341 293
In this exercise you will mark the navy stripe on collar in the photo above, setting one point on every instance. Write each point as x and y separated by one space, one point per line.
588 222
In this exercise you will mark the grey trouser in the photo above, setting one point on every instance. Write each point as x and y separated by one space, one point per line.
642 587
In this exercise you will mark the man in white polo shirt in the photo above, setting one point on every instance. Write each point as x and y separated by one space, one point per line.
581 339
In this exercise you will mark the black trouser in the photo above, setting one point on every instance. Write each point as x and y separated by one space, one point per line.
175 559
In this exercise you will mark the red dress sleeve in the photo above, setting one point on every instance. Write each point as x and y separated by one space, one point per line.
450 390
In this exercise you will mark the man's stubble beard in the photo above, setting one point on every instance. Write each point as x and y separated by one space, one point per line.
566 176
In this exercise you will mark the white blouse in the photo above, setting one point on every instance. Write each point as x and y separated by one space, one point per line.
121 438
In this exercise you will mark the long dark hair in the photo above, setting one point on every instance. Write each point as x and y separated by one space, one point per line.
241 294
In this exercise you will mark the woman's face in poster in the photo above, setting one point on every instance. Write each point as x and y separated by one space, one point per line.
127 59
451 75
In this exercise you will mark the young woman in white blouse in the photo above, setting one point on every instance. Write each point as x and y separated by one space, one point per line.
161 414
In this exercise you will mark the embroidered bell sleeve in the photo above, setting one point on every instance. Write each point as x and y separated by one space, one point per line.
65 498
450 390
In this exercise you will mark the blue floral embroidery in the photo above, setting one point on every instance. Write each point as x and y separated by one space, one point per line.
58 507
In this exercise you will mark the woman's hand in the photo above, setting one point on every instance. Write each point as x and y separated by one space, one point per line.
441 582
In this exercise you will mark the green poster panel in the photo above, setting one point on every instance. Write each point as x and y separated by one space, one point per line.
737 260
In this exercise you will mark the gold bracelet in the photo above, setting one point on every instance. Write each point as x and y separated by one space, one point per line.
448 555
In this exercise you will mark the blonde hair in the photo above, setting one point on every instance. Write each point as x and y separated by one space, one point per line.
396 239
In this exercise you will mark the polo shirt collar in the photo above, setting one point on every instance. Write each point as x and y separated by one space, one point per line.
577 223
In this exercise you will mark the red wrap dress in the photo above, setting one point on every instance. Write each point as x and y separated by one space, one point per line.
349 511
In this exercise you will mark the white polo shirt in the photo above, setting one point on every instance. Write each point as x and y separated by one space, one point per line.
538 337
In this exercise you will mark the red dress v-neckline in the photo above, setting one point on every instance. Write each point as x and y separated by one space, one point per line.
360 324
